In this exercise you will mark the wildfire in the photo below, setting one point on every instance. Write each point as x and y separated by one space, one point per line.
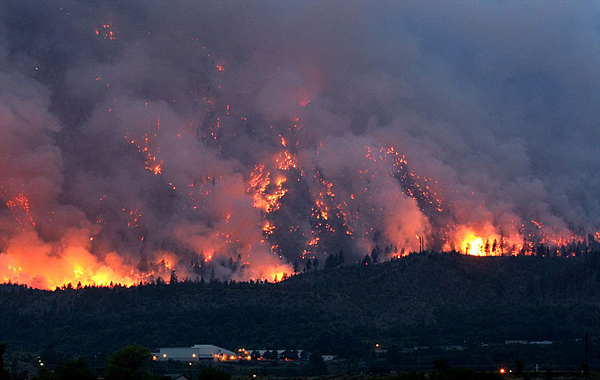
484 241
73 264
221 66
275 274
106 32
286 161
473 245
245 208
19 207
266 191
420 188
133 217
143 145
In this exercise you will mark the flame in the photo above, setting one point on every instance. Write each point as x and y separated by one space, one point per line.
265 191
30 261
106 32
484 241
19 207
275 274
221 66
143 145
473 245
330 212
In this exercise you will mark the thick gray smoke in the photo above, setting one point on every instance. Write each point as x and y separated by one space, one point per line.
229 139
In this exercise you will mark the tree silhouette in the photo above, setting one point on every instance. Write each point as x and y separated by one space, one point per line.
308 266
128 363
4 374
366 261
75 370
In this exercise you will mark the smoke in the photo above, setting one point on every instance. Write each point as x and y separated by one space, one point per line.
230 139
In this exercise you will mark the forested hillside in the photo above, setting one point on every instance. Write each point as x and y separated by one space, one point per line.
421 300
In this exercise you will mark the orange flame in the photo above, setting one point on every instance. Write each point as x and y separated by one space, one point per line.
19 207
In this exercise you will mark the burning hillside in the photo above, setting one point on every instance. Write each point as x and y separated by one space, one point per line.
229 142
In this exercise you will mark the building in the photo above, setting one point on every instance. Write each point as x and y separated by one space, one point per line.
195 353
177 376
541 342
515 342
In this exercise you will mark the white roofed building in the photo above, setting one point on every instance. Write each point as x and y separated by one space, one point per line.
195 353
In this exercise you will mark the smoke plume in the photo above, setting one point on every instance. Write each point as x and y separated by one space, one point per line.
228 140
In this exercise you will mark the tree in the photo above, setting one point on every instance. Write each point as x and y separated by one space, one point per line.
375 255
441 364
75 370
519 368
308 266
330 261
128 363
340 258
173 280
334 260
270 355
4 374
366 261
316 365
46 375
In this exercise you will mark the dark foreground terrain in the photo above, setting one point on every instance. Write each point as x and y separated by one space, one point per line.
417 309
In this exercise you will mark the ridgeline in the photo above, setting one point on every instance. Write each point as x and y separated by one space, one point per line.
429 299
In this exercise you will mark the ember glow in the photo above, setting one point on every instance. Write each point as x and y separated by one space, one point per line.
201 140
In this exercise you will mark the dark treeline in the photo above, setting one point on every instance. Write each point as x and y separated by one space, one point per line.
203 271
429 299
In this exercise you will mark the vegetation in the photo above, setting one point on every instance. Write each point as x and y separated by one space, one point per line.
129 363
423 300
72 370
4 374
210 373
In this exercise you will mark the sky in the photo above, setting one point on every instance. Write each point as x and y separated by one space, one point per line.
232 138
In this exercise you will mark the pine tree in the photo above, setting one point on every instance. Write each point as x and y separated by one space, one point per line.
330 261
367 261
173 280
308 266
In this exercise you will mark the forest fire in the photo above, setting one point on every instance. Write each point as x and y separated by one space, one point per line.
75 264
19 207
193 150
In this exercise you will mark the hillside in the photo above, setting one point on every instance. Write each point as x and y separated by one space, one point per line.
423 299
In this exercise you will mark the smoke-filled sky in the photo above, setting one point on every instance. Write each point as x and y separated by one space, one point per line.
228 139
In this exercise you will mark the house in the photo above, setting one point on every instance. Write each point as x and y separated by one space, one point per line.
286 355
193 354
177 376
